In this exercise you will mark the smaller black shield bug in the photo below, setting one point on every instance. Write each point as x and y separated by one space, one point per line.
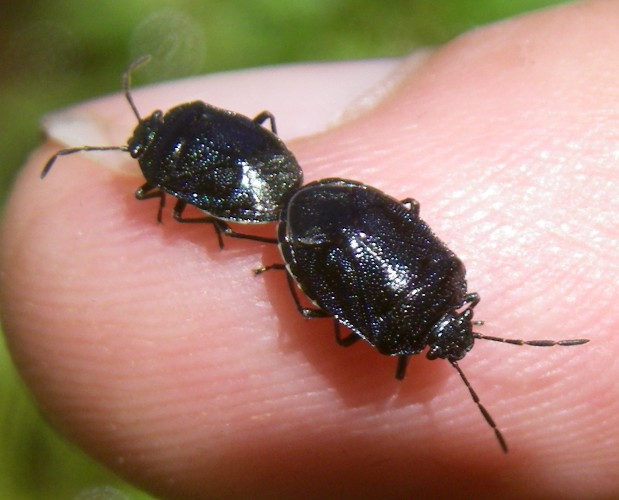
369 262
226 164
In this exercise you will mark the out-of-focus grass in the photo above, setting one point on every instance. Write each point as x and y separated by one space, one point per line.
57 52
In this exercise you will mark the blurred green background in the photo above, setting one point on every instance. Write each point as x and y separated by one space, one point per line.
58 52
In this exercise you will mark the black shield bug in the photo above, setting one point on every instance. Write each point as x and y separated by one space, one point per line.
368 261
226 164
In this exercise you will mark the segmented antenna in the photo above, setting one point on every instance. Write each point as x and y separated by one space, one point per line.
127 82
536 343
481 407
70 151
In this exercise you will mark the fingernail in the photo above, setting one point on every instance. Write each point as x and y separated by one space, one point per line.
384 85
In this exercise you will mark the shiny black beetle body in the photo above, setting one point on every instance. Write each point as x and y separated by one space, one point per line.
227 165
224 163
368 261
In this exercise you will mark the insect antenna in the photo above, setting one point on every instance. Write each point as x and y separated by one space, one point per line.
127 82
70 151
536 343
481 407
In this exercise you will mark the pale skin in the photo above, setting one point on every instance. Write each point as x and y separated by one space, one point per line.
167 360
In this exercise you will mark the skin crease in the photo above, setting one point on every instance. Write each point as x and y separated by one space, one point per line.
168 361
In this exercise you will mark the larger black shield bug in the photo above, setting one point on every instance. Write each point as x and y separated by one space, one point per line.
368 261
226 164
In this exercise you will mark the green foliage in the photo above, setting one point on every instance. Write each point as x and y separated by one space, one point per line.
57 52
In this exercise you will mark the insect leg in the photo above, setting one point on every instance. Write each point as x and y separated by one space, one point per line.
228 231
400 370
343 341
472 299
264 116
220 226
306 312
264 269
146 192
411 205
